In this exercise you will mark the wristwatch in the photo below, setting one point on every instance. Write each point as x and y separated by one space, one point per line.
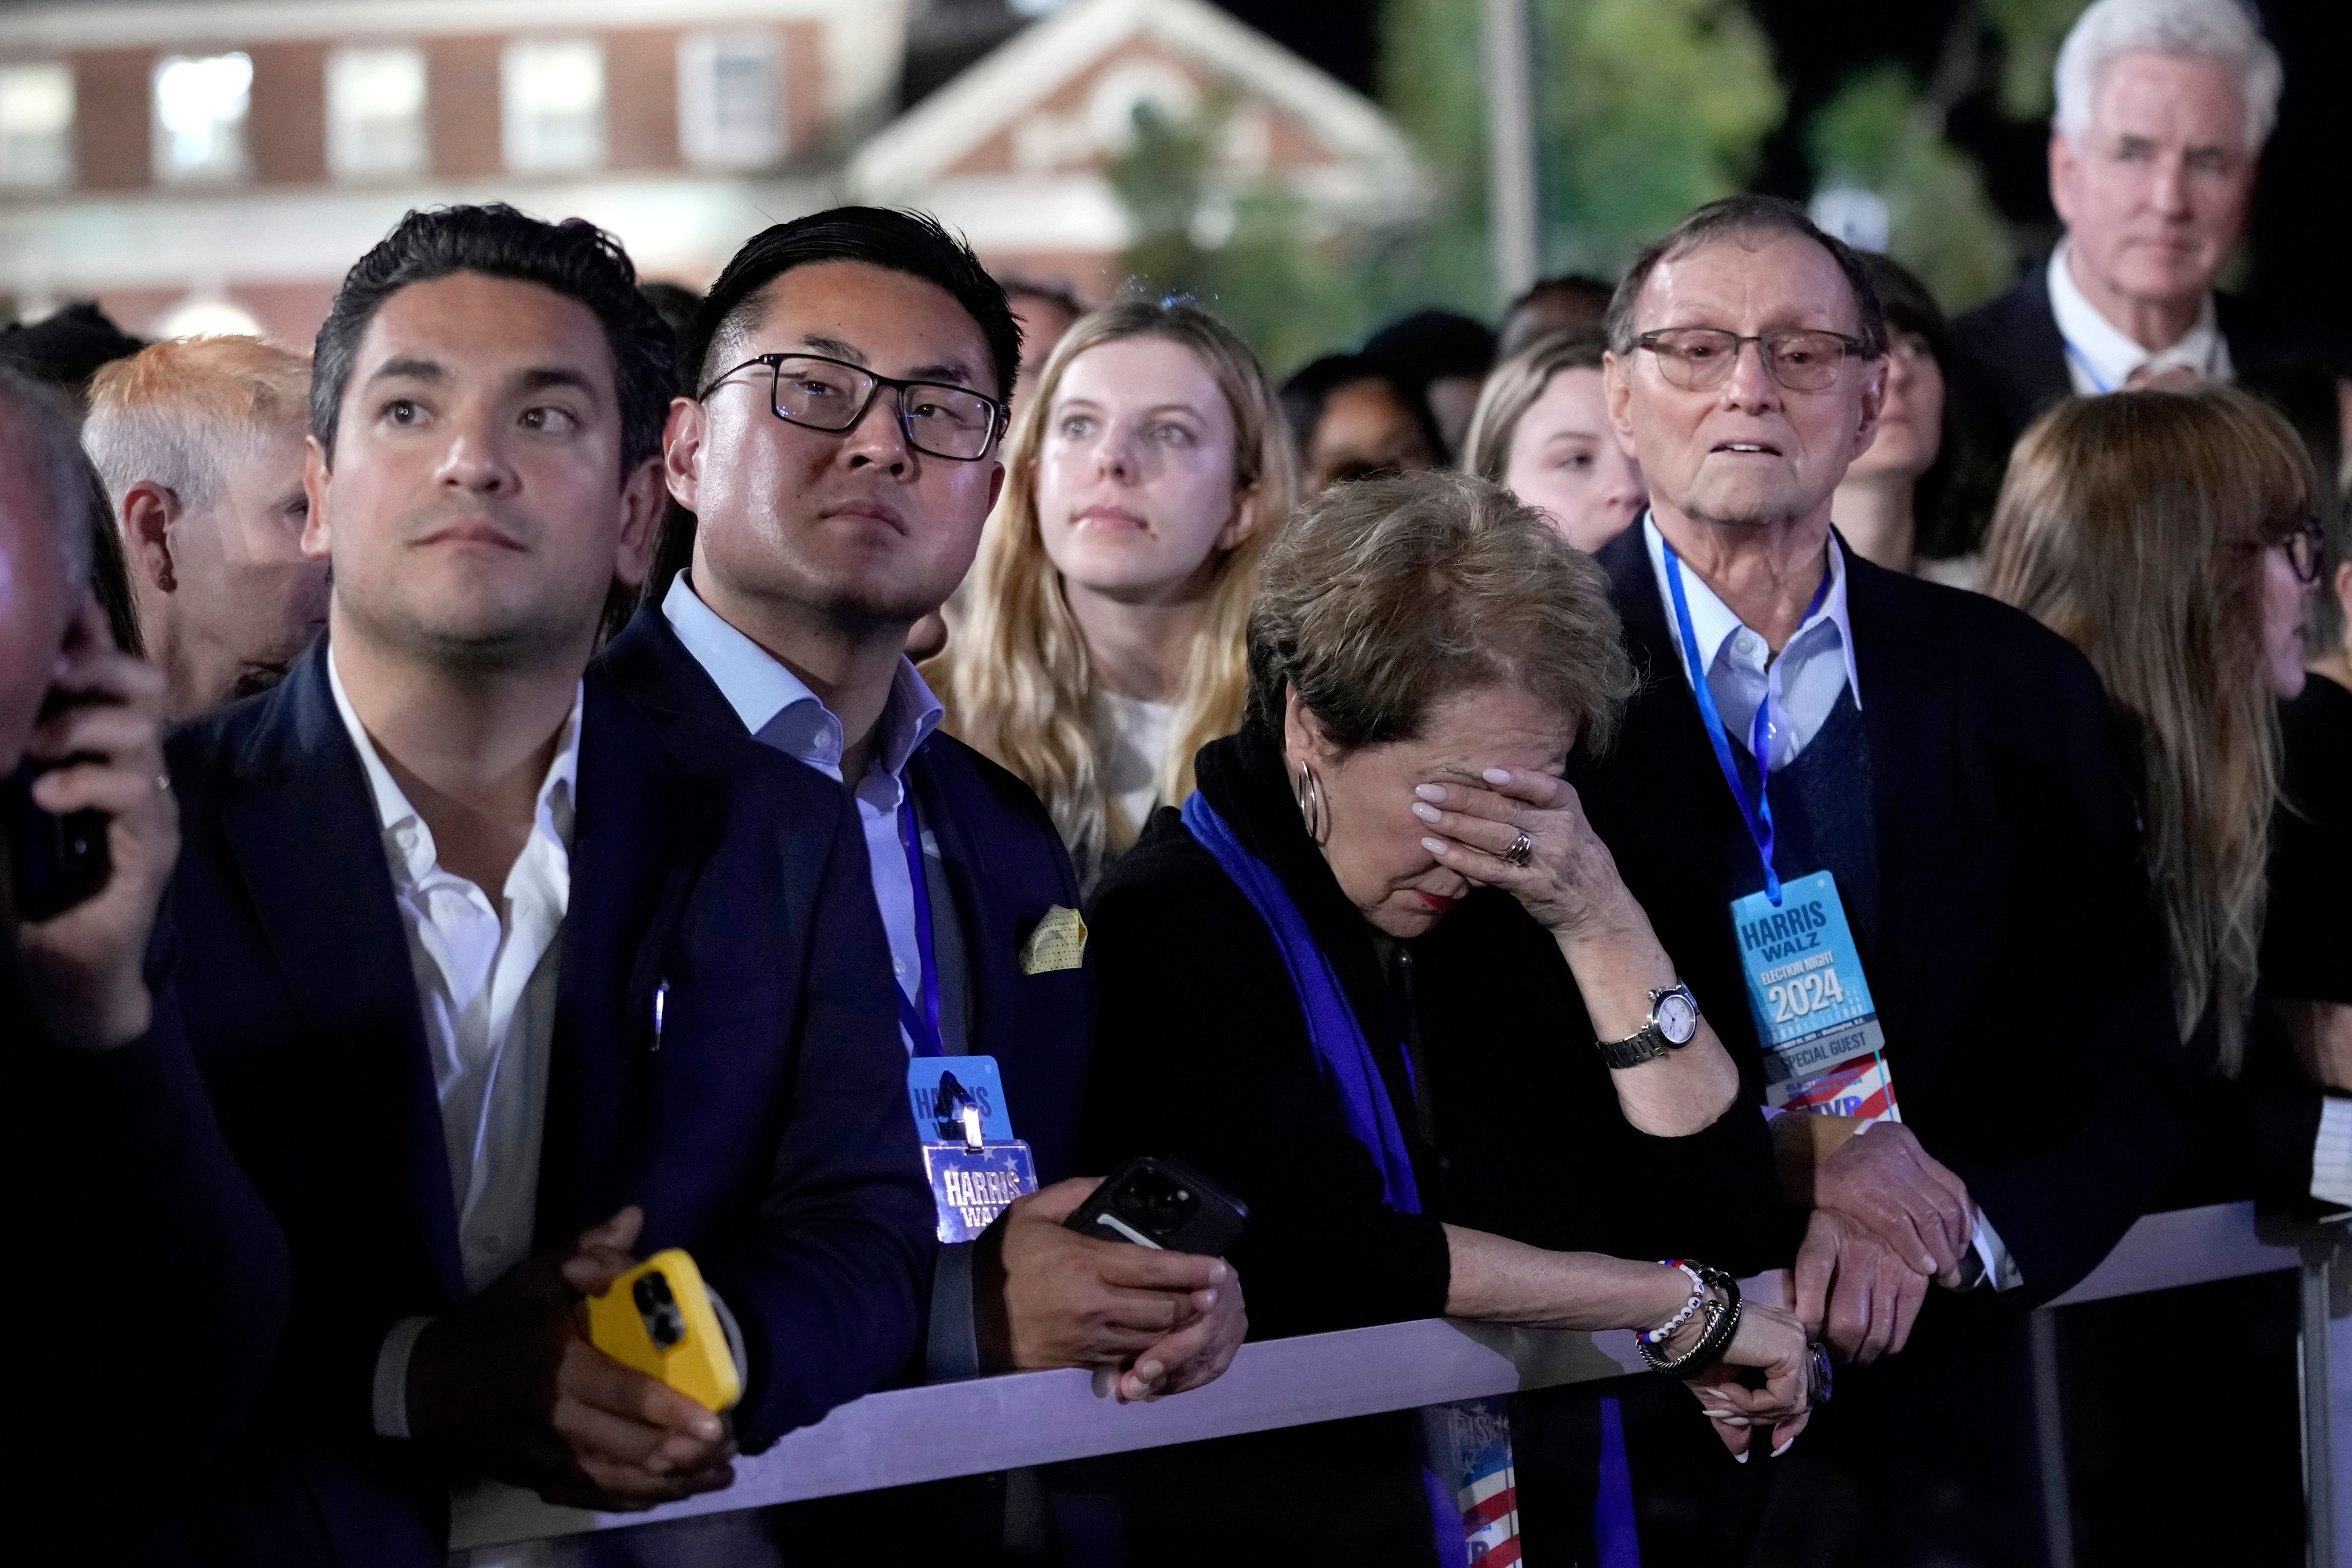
1674 1024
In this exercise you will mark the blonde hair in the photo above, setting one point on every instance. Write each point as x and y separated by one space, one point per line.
2134 526
180 414
1515 386
1018 679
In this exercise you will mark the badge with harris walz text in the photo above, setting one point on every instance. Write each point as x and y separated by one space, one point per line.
1815 1022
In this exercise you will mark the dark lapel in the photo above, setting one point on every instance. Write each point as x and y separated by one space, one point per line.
1663 739
648 663
310 848
1910 710
640 835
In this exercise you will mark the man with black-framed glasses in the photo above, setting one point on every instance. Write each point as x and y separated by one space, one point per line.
838 463
1883 828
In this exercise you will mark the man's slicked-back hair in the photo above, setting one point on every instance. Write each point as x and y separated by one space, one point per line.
573 258
1746 217
909 242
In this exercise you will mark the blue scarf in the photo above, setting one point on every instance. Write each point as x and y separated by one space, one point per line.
1355 1076
1331 1026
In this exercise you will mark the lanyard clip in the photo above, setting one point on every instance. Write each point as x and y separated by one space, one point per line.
954 1108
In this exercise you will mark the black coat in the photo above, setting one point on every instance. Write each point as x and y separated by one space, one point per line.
768 1133
1006 864
2018 965
1205 1055
2010 361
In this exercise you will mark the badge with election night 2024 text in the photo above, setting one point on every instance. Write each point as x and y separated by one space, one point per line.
1814 1018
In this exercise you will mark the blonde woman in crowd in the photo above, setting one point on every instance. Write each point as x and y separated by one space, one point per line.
2169 536
1104 642
1541 431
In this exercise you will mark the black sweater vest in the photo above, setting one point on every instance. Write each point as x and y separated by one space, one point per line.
1822 817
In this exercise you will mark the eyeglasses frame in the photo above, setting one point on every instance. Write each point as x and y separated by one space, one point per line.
1853 347
2313 533
1000 412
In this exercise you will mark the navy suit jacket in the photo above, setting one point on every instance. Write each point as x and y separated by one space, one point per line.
765 1129
2018 966
1005 865
2009 359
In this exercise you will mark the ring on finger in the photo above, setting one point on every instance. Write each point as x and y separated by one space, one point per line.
1522 850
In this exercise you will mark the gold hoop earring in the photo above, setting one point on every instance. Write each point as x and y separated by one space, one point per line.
1308 792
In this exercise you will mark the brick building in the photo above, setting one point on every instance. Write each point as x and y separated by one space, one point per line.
217 164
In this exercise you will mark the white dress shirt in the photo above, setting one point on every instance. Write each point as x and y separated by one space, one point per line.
2101 357
779 710
1815 665
486 986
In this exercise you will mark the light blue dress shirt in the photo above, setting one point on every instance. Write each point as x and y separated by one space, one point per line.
779 710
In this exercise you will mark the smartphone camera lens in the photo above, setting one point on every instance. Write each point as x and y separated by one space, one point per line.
665 1324
1156 1204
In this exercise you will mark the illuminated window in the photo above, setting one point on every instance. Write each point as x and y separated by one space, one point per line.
728 109
554 104
201 102
375 112
36 111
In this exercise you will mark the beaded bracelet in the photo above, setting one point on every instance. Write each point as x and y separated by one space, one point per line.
1666 1331
1722 1311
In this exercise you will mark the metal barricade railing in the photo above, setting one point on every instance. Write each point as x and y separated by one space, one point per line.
1010 1422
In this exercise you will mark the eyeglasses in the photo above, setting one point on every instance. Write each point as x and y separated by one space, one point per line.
833 395
2306 549
1699 358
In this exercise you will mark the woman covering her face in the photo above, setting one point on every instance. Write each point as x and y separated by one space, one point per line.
1542 432
1104 646
1380 979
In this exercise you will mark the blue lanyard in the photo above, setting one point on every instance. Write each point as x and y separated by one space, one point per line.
921 1023
1757 813
2085 365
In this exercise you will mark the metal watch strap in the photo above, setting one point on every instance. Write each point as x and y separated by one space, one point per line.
1646 1044
1649 1042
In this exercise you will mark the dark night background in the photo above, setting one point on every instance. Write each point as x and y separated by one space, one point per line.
2296 259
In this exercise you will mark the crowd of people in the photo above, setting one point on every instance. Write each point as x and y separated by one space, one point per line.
1729 771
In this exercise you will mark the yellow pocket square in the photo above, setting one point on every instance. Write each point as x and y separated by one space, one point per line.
1058 942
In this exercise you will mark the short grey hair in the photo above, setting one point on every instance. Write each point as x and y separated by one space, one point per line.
184 412
51 431
2223 31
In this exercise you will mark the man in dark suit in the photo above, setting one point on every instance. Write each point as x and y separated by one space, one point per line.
133 1211
2161 116
839 460
478 958
1950 766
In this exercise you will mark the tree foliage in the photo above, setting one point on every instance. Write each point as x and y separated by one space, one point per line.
1246 247
1882 134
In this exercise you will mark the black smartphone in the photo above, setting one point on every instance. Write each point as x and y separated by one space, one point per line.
1159 1203
54 862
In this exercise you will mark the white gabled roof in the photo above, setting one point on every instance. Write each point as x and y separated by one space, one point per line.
924 143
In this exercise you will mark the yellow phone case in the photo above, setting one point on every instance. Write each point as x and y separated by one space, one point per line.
657 1319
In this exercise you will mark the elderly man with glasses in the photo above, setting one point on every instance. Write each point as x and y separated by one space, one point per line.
1883 828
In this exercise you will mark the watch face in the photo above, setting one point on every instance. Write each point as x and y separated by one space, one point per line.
1678 1018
